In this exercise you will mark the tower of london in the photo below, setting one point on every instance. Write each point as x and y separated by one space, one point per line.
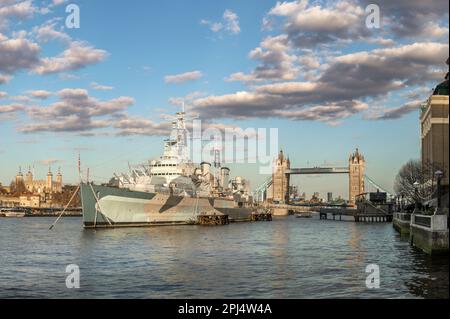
45 186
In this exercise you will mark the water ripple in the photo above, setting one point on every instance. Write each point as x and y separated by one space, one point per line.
286 258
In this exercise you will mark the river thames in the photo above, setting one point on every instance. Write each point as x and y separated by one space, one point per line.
286 258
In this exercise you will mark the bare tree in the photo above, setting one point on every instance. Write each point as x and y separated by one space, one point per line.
64 197
430 169
414 171
2 189
18 188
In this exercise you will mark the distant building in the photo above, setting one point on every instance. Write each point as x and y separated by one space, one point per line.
293 192
33 201
434 120
4 189
47 186
7 201
315 198
329 197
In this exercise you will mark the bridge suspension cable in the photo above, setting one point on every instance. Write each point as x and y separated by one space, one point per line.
373 183
259 192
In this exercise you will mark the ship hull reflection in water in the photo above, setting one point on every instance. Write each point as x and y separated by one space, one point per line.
287 258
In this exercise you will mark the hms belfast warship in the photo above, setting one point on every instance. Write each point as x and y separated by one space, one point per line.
169 190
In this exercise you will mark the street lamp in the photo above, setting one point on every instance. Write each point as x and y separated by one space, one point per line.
416 194
439 175
403 201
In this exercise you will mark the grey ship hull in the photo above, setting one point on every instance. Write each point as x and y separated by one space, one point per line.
116 207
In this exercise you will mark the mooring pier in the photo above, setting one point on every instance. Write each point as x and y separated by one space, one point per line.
358 216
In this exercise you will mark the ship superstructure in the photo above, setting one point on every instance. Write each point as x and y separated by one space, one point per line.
174 171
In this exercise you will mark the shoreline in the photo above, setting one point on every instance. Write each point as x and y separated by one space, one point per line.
43 215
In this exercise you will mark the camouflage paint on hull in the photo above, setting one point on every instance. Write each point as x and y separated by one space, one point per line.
123 208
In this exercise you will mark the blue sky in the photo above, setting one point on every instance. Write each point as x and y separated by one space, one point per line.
311 69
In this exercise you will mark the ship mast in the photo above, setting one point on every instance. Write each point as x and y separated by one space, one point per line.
217 162
181 134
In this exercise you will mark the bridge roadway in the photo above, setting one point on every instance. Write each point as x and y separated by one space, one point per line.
295 209
318 170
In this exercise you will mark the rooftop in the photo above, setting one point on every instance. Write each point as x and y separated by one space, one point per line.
441 88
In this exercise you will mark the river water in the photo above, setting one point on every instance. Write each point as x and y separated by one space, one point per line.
286 258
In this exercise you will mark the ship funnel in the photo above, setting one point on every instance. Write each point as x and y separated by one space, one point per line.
198 172
206 168
224 177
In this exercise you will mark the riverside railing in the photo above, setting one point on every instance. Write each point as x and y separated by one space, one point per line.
432 222
402 216
422 220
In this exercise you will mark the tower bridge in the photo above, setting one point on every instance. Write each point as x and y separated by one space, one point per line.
276 188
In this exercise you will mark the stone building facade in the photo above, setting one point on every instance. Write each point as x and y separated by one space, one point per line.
357 167
434 121
280 179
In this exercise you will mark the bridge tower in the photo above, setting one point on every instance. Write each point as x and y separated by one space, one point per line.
357 166
280 186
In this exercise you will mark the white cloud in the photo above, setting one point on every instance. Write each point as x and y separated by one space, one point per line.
21 99
128 125
75 111
11 9
183 77
68 76
213 26
229 22
382 41
187 99
47 32
14 9
309 62
40 94
395 113
277 62
58 2
49 162
77 56
339 90
10 108
312 24
4 78
328 113
288 8
241 77
100 87
17 54
309 24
